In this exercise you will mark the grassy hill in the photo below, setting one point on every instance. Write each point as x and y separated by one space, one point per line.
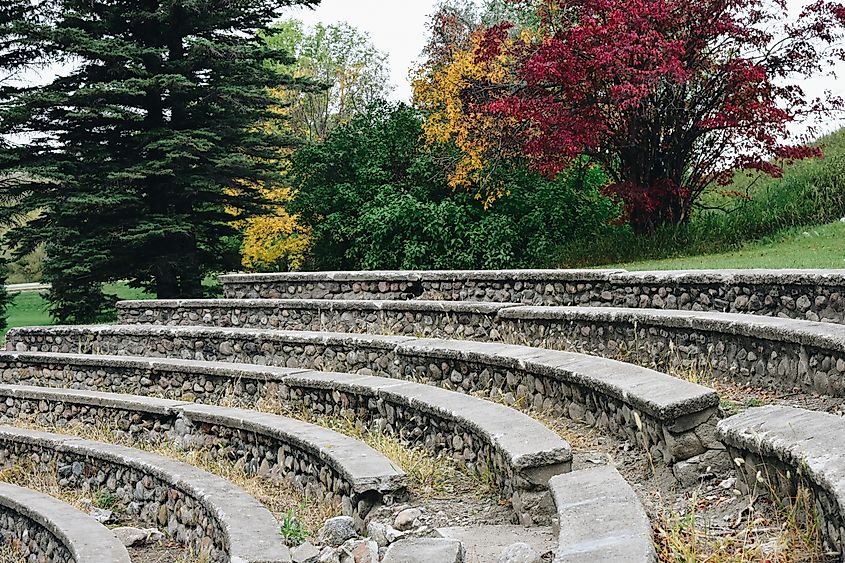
811 193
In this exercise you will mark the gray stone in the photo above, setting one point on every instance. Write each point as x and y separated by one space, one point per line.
405 519
337 530
131 537
305 553
519 553
601 518
425 550
484 544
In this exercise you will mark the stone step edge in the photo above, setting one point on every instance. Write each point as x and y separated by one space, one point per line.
365 468
85 538
676 397
777 447
251 531
600 518
526 442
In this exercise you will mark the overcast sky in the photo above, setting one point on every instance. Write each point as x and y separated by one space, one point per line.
397 27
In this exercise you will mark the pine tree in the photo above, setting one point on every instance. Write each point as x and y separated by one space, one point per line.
136 159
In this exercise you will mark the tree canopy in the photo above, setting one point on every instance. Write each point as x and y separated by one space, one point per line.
153 137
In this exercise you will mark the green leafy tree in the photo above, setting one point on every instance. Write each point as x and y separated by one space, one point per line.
374 199
346 72
139 155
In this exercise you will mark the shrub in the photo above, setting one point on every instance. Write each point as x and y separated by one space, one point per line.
375 198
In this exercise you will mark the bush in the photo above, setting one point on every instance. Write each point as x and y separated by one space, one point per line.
375 199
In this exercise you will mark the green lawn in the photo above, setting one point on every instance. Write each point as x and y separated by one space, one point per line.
30 308
812 247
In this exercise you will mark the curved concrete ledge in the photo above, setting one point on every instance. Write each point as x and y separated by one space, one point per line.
779 353
325 463
781 448
58 532
434 319
202 510
521 452
673 419
601 519
806 294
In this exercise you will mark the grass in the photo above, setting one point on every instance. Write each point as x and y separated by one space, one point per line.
29 308
812 247
774 211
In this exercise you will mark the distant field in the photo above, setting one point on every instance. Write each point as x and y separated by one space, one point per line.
30 308
812 247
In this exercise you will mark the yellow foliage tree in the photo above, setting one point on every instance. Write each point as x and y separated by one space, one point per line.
447 92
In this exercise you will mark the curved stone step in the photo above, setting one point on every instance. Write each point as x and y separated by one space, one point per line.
59 532
434 319
325 463
197 508
601 519
779 353
806 294
780 447
522 452
672 418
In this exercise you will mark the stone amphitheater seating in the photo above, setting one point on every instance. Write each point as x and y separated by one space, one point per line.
326 464
202 510
806 294
780 447
601 518
522 453
673 419
777 353
280 338
48 529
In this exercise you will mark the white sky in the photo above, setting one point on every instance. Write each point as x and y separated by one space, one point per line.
396 27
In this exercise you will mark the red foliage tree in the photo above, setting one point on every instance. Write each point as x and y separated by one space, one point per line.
670 96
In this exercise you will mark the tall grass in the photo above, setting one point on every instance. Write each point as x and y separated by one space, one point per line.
811 192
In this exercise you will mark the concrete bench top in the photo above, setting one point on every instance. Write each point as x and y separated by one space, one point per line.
365 468
657 394
251 530
525 441
418 305
726 277
828 336
87 540
810 440
421 275
601 519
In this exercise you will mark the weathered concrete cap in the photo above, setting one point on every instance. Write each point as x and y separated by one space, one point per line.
171 365
601 519
656 393
336 276
811 441
87 540
251 530
365 468
133 403
730 277
525 441
422 275
425 550
417 305
823 335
